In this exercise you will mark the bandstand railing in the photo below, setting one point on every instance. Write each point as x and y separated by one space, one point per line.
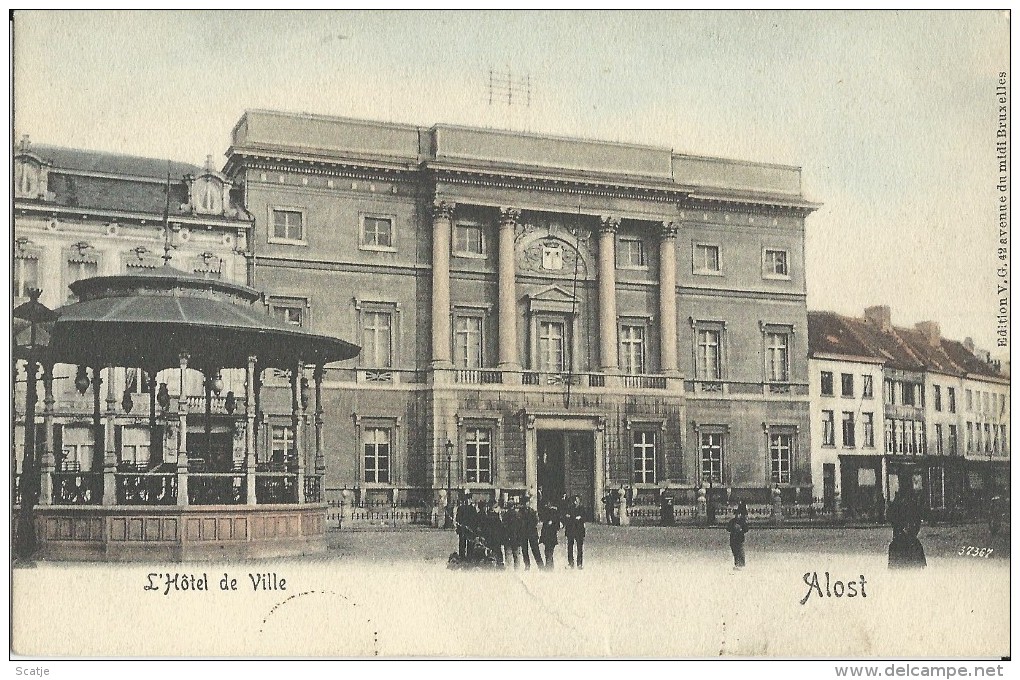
146 488
216 488
313 489
77 488
275 487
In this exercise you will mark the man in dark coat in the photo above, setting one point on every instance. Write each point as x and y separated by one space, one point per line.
611 501
550 516
465 521
737 526
495 534
513 527
573 529
529 533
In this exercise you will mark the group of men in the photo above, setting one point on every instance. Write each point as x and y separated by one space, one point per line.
490 534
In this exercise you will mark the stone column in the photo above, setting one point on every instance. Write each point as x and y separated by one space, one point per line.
297 420
608 351
110 441
442 221
48 454
667 298
508 359
182 437
249 432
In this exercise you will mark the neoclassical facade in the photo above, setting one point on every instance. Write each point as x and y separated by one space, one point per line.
535 313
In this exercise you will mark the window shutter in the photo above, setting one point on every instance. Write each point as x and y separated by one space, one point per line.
156 445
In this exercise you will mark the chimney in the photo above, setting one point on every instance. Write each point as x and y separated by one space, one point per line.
930 330
880 315
969 344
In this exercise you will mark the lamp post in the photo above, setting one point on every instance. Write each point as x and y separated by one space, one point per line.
36 314
448 522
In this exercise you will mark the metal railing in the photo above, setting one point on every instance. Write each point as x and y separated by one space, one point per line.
146 488
77 488
275 487
216 488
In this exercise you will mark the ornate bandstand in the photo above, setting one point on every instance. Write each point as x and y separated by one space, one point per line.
202 492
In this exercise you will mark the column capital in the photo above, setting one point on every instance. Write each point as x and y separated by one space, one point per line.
508 216
670 229
608 224
443 209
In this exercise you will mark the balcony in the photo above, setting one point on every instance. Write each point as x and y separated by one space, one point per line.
477 376
196 404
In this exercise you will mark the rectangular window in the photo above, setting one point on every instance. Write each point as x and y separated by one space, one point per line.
781 457
134 447
377 340
951 396
952 441
26 276
478 454
468 239
78 268
290 312
283 444
776 264
848 430
709 366
938 440
644 457
938 397
467 342
828 428
995 435
890 435
630 254
826 383
137 381
970 437
377 455
706 259
970 400
869 429
867 387
551 347
888 392
77 449
376 232
288 225
909 394
632 349
902 445
988 438
847 384
711 457
777 354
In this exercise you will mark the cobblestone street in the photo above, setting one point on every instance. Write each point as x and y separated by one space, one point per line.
655 544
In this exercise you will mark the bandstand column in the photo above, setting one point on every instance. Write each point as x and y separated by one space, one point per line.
48 454
182 437
507 310
97 419
608 352
110 442
442 222
667 298
320 460
249 432
297 419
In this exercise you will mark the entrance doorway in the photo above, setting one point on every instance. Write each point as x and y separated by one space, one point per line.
566 466
214 452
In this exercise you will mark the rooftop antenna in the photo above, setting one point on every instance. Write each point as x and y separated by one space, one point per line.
510 90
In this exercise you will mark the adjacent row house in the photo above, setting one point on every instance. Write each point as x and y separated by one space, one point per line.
904 407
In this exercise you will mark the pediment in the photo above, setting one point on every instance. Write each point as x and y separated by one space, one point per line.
552 294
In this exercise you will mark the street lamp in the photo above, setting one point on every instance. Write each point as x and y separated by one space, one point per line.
39 318
448 522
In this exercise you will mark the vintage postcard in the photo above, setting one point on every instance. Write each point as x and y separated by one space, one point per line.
526 334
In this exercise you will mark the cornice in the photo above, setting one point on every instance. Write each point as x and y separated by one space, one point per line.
50 211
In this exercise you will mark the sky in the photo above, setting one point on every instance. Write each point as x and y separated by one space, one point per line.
891 115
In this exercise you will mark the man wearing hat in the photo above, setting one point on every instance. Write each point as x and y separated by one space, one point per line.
465 522
529 525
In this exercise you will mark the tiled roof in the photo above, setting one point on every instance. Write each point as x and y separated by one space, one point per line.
828 334
898 348
111 163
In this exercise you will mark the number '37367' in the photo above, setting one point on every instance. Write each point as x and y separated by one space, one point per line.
974 552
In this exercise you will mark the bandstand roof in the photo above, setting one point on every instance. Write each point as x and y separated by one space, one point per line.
147 319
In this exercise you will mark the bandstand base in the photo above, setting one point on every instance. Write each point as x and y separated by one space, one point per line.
179 534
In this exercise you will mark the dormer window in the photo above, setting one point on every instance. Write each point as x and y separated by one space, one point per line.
208 195
28 178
